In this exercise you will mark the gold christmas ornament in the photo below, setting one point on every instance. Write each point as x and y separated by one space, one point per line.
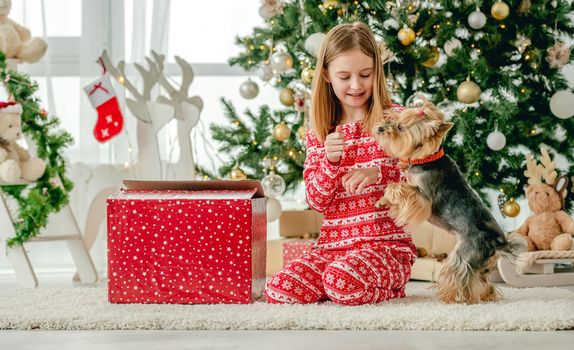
237 174
468 92
530 55
524 7
499 10
307 75
330 4
433 59
286 97
406 36
511 208
281 132
301 132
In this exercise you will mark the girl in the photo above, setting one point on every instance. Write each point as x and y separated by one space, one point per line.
361 256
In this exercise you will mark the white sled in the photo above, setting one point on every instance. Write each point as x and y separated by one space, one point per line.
539 269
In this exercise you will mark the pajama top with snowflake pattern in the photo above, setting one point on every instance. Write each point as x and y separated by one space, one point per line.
361 255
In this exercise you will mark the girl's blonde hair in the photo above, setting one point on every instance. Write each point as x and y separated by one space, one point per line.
325 107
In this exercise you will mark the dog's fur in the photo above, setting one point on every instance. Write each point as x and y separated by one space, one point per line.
436 191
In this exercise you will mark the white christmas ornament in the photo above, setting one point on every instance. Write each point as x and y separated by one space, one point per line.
314 42
273 185
266 12
391 23
270 8
265 72
562 104
477 19
249 89
273 209
452 45
281 61
496 140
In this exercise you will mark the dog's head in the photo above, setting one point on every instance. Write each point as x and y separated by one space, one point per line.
413 133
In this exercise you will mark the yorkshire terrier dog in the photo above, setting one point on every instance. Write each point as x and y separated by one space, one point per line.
435 190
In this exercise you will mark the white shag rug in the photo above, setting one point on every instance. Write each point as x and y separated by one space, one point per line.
82 308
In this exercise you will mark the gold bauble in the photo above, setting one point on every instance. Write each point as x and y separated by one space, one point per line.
286 97
281 132
499 10
406 36
237 174
330 4
530 55
301 132
468 92
511 208
307 75
433 59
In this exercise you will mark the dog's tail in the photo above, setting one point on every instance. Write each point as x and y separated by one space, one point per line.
514 245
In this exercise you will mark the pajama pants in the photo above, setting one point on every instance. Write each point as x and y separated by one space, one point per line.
349 277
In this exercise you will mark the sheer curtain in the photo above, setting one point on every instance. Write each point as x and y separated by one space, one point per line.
74 59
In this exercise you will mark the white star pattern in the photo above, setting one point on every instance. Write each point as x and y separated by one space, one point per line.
155 254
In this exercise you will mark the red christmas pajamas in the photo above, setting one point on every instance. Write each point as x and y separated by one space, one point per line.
349 277
361 256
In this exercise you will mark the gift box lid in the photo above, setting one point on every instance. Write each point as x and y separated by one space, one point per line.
208 189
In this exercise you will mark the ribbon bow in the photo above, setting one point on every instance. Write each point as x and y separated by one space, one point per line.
98 86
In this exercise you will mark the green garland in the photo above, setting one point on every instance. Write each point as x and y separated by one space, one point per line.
50 192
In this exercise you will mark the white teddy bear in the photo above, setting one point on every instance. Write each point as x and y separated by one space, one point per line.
15 40
15 162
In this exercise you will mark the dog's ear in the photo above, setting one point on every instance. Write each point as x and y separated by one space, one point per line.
443 129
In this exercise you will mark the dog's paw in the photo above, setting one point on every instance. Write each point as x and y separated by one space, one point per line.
394 212
383 202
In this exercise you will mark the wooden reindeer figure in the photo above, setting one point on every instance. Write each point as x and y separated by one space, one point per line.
151 116
550 228
186 112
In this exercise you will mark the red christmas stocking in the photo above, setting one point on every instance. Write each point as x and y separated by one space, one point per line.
110 120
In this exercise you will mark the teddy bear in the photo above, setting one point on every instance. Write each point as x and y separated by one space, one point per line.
15 40
550 228
16 164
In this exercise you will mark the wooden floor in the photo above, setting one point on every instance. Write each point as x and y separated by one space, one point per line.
300 340
269 340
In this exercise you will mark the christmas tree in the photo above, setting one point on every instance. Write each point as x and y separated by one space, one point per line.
493 66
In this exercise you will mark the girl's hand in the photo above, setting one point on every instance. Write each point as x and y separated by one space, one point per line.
357 179
334 144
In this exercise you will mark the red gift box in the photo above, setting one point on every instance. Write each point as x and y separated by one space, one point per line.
181 242
296 248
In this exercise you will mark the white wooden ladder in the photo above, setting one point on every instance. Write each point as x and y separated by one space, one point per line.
62 226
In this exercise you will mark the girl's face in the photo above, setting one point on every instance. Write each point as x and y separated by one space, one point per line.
351 76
